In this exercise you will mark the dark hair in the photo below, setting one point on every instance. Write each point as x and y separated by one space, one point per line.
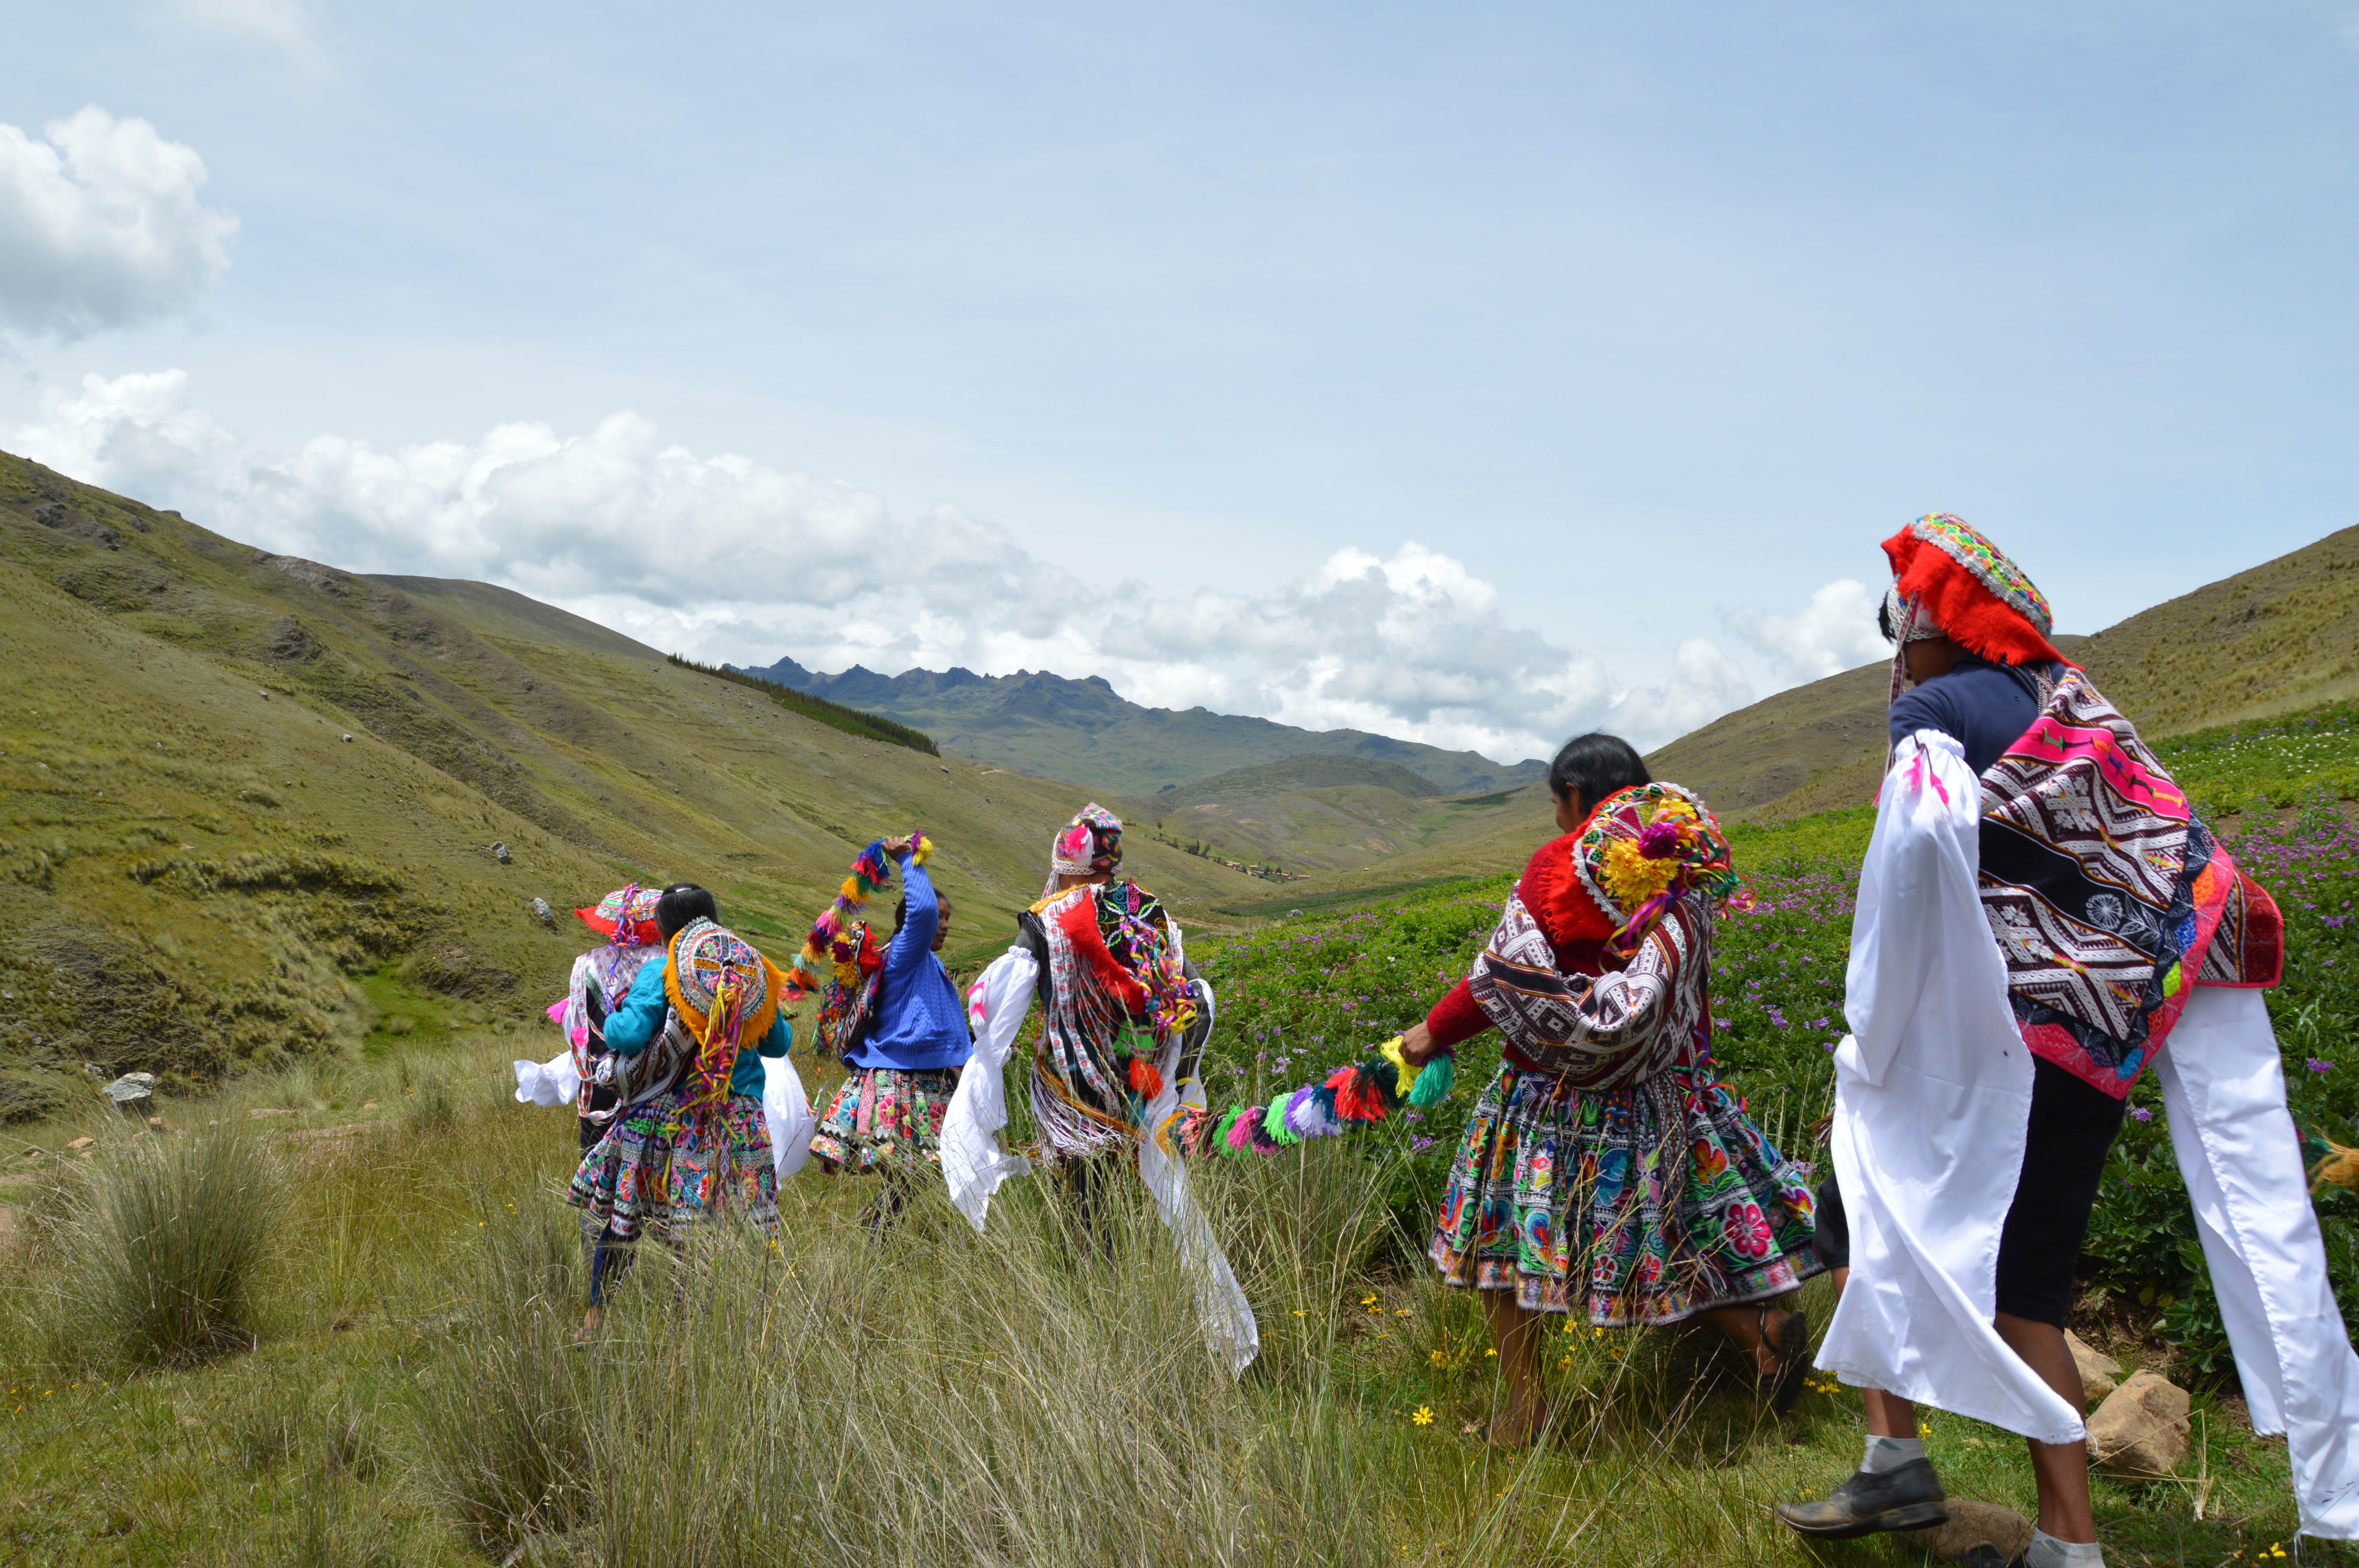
682 903
1596 765
901 910
1884 617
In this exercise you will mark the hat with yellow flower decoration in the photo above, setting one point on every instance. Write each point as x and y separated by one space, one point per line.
1646 847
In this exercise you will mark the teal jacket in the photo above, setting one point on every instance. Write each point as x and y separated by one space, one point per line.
630 1026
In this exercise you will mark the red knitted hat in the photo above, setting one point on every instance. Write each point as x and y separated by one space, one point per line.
1966 584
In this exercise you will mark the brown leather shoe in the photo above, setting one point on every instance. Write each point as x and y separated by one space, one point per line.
1907 1499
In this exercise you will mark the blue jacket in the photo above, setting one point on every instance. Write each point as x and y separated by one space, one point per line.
639 1019
920 1023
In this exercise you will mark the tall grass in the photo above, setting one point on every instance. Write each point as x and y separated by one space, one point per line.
159 1247
931 1395
936 1397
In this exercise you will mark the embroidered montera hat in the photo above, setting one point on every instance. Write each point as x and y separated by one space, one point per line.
1089 844
626 916
1948 577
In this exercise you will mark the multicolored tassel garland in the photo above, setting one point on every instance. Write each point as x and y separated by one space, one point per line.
1357 1096
829 942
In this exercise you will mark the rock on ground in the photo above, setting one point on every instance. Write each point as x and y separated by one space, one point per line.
132 1090
1975 1524
2100 1373
2140 1432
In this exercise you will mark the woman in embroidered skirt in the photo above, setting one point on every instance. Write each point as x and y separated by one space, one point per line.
1606 1172
905 1040
688 1143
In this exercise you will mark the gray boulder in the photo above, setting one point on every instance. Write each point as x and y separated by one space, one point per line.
132 1091
500 852
542 911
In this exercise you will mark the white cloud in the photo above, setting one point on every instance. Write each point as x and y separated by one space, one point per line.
726 559
100 226
1835 631
282 30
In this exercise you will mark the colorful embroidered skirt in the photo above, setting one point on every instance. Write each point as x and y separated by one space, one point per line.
1644 1204
886 1118
651 1171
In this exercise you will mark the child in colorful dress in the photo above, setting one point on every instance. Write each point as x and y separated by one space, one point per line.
909 1041
1607 1170
688 1141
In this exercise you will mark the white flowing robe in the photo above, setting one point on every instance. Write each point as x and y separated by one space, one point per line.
973 1165
1932 1098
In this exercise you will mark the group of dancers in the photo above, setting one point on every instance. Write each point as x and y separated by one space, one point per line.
2039 914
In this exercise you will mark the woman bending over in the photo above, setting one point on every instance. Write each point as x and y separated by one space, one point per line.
1606 1172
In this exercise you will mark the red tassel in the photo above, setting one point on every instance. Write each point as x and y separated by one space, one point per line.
1357 1098
1143 1079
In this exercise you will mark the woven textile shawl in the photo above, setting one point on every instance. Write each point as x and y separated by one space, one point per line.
1609 1031
2105 891
1097 1003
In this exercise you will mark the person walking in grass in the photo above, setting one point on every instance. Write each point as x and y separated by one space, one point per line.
689 1142
901 1028
2039 913
1607 1173
1124 1023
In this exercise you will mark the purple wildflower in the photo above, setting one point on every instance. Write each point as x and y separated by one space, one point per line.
2141 1113
2315 1066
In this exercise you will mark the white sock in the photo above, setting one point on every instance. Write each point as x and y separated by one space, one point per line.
2046 1551
1890 1452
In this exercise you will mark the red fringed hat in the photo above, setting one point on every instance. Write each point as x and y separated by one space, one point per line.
632 908
1952 578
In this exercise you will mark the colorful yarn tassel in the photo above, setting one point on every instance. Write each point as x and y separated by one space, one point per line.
1145 1081
1355 1095
1434 1081
829 942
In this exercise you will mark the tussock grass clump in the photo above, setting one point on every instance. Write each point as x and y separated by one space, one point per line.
1025 1397
160 1246
506 1418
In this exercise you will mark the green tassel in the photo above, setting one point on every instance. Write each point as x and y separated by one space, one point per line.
1273 1122
1432 1085
1218 1143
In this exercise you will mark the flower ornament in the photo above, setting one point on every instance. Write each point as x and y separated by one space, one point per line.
1647 847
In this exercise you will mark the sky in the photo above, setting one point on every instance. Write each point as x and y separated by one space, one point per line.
1474 375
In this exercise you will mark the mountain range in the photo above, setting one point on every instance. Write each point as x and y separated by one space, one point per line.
1086 731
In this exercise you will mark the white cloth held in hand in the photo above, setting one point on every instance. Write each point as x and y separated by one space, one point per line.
1932 1100
2223 1092
553 1082
972 1163
786 1111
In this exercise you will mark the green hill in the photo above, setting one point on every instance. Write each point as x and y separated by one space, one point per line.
1084 729
248 803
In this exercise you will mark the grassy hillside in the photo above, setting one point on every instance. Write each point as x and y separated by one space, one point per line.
1084 729
248 803
2280 636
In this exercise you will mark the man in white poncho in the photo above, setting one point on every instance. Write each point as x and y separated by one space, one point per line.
2039 913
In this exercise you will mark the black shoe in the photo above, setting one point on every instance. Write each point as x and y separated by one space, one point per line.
1907 1498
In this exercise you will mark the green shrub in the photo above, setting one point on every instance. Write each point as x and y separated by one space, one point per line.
162 1245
